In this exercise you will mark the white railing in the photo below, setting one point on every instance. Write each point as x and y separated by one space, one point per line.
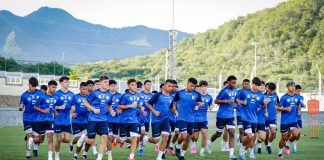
13 80
43 81
73 83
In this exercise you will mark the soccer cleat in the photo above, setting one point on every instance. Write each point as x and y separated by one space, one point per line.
287 150
163 155
84 157
70 148
171 151
114 144
131 159
280 156
181 158
140 152
35 153
193 150
259 151
252 156
233 158
269 150
177 152
128 145
226 148
121 145
202 154
157 148
28 158
75 158
294 149
242 157
209 147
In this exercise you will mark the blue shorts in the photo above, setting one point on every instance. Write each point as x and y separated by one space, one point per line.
62 128
185 127
172 126
261 127
271 124
286 127
97 127
200 125
239 122
222 122
146 126
77 128
43 127
28 126
113 128
128 129
300 123
160 127
249 127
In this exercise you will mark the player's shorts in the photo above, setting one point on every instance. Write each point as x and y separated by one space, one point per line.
286 127
200 125
261 127
78 128
43 127
28 126
249 127
172 126
125 129
271 124
300 123
222 122
239 122
145 126
185 127
113 128
161 127
97 127
62 128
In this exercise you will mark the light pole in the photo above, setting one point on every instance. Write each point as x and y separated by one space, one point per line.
220 78
255 44
319 81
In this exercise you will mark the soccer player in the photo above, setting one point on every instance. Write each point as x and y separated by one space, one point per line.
225 115
79 119
288 106
201 122
159 105
45 117
261 116
113 121
90 84
245 86
224 142
97 102
187 98
145 120
62 118
251 99
299 118
43 89
271 119
128 118
172 120
28 100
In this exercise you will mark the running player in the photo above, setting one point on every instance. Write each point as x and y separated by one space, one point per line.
172 120
299 118
261 116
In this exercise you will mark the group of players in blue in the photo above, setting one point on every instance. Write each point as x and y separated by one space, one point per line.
176 117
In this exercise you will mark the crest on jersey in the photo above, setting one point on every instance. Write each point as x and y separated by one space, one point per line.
141 103
258 98
107 97
193 97
100 96
79 100
207 100
137 98
47 101
29 99
117 100
274 99
62 98
295 99
248 96
131 98
288 100
69 97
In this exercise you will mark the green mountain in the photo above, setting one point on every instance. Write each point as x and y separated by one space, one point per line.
290 40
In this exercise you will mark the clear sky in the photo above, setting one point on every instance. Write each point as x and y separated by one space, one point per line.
190 15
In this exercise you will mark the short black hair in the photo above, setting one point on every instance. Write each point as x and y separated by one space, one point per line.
224 83
263 82
126 90
257 81
83 84
112 82
272 86
64 78
193 80
246 80
161 85
52 82
174 82
132 80
147 81
231 77
96 81
43 87
33 81
298 86
90 82
103 78
154 92
203 83
139 84
168 81
266 84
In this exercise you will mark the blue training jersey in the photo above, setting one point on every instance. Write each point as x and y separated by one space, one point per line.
46 101
160 103
114 104
226 110
80 110
129 115
272 112
187 102
63 117
301 102
254 100
171 115
99 100
145 97
29 100
201 114
289 101
261 113
238 107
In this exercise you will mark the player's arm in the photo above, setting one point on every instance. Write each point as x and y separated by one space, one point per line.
89 107
47 110
21 104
